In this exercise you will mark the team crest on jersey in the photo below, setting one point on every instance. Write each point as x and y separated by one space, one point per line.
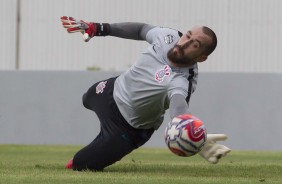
100 87
161 74
168 39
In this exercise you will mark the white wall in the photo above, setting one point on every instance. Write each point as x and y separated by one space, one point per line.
8 34
249 33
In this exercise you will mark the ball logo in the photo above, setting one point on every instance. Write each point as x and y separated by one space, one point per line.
100 87
161 74
196 131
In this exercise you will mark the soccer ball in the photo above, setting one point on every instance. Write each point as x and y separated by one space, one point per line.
185 135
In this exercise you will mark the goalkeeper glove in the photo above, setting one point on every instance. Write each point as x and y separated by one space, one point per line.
88 29
212 151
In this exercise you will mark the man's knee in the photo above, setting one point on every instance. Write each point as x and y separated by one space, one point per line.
86 101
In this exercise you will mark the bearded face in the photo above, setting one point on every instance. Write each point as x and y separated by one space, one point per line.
176 56
190 48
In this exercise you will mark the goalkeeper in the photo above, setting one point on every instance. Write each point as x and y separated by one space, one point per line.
131 106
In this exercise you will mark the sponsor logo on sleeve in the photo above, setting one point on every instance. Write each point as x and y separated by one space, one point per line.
168 39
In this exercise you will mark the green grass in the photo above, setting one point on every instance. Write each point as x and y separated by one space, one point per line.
21 164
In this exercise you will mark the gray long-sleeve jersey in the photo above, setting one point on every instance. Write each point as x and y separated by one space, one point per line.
151 85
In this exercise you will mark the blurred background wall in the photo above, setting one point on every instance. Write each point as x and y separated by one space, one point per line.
45 107
43 69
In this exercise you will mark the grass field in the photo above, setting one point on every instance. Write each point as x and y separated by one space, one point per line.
45 164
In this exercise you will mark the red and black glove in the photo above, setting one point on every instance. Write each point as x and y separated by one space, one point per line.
88 29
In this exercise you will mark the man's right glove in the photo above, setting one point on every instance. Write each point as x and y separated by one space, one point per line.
88 29
212 151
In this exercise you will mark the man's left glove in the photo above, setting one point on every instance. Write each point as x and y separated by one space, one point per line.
213 151
88 29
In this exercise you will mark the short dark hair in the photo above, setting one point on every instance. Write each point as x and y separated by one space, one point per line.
210 48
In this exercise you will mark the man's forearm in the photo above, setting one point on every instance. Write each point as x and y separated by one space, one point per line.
130 30
178 106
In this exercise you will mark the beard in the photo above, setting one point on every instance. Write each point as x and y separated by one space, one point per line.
178 57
